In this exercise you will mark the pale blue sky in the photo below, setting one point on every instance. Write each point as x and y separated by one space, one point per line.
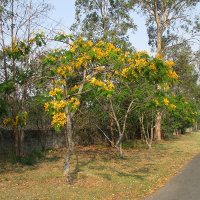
64 12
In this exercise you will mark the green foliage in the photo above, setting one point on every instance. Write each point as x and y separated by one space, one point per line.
105 20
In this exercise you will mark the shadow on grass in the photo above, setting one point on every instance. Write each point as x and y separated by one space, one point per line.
79 166
105 176
52 159
11 163
143 170
122 174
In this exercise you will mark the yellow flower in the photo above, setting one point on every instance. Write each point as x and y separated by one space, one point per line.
99 43
75 87
46 106
90 43
55 91
156 101
58 105
166 101
59 119
63 32
159 56
152 67
16 120
31 40
53 58
170 63
100 68
74 102
172 106
7 121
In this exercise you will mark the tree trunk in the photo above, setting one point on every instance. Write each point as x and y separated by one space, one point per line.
69 148
16 140
21 132
112 132
21 142
159 41
120 150
157 135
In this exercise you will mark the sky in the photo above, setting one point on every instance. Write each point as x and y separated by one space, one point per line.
64 12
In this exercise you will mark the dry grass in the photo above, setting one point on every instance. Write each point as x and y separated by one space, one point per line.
98 173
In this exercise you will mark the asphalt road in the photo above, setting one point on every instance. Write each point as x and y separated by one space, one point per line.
184 186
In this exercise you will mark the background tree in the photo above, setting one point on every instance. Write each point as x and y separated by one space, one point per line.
107 20
163 19
18 48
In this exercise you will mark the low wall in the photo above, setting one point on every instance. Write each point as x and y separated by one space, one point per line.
33 140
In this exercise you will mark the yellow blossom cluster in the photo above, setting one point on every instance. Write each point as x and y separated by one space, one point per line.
159 56
194 113
63 70
172 106
140 62
46 106
55 91
99 43
172 74
127 54
31 40
57 105
59 119
100 68
99 53
117 72
156 102
124 72
90 43
73 47
166 101
13 49
166 86
107 85
7 121
111 48
52 58
41 31
74 101
153 67
16 120
59 82
75 88
170 63
95 81
81 61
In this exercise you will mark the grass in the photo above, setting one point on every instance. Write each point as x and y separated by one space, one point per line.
97 172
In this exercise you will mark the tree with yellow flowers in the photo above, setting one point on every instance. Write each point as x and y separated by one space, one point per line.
137 78
78 68
19 76
81 67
